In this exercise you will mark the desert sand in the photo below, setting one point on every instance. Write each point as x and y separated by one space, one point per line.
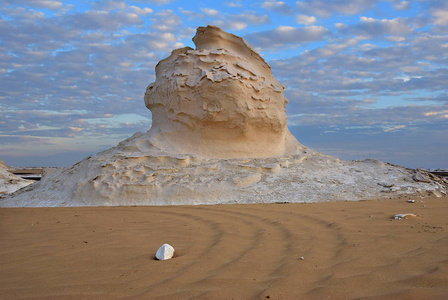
333 250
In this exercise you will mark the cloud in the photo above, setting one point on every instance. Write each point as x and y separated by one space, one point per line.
104 20
286 35
109 5
251 18
46 4
241 21
165 20
233 3
51 63
234 25
394 128
437 114
209 12
306 20
141 11
327 8
158 2
353 87
369 27
228 21
437 98
372 26
277 6
401 5
440 17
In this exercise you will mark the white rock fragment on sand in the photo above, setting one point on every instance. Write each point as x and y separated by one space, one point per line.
166 251
411 201
404 216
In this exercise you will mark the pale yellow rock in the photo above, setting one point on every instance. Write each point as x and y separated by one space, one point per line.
219 100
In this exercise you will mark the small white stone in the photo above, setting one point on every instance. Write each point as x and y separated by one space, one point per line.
411 201
166 251
403 216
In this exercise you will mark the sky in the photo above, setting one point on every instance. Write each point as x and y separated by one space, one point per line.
365 78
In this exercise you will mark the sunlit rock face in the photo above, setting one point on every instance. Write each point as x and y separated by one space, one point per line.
219 100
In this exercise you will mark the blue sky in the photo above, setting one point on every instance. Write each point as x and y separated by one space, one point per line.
365 79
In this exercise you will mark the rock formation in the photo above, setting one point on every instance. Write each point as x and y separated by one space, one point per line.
9 183
3 165
219 100
219 135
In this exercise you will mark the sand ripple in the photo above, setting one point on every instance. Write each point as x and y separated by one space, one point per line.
278 251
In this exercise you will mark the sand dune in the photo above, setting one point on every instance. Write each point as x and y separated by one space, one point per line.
349 249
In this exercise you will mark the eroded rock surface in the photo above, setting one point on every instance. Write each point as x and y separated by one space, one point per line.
219 100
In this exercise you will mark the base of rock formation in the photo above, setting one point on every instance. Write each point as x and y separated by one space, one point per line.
137 173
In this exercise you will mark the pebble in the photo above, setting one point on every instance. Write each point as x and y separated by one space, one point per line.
166 251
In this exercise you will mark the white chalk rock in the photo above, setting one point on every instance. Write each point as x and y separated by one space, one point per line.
166 251
404 216
418 176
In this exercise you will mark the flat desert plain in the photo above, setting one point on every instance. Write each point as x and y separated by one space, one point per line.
331 250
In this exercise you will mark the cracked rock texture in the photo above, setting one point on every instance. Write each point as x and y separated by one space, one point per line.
219 135
219 100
